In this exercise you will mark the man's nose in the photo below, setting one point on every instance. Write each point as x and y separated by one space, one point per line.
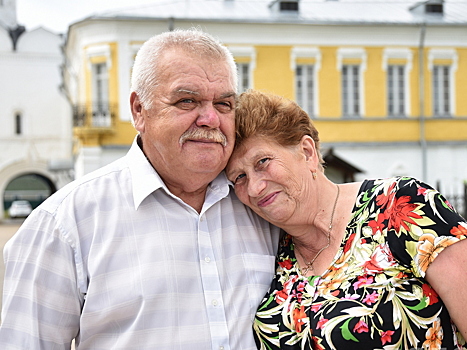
208 116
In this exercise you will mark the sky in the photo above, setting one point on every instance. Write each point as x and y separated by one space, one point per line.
57 15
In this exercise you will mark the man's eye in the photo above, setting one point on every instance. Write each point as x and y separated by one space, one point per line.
224 107
186 100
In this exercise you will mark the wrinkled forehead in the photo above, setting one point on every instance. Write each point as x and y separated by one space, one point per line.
177 55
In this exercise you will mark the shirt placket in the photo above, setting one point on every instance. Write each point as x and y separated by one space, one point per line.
210 279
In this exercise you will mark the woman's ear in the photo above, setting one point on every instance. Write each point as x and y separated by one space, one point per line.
307 146
137 112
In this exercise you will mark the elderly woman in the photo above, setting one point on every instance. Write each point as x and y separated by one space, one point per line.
370 265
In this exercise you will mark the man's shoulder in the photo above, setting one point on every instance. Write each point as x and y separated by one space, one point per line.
104 178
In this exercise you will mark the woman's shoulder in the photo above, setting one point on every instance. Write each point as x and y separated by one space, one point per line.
396 184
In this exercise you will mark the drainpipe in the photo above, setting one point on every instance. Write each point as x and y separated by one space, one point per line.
171 24
421 74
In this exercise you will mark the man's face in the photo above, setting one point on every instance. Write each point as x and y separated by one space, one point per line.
190 128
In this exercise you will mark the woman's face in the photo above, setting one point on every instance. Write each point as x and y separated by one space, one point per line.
272 179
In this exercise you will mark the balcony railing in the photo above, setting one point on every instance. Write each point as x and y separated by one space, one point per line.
97 115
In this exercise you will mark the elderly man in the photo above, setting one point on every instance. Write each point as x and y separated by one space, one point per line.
153 251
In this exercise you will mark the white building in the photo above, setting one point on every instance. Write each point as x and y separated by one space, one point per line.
36 133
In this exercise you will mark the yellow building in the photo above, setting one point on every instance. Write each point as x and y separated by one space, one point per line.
385 82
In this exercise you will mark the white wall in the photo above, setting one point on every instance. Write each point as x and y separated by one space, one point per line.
30 86
446 164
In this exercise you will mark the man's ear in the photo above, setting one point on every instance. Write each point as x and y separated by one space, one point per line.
137 110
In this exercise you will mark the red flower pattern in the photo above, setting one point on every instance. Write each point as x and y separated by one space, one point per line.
286 264
401 213
430 293
361 327
386 336
459 230
299 317
377 225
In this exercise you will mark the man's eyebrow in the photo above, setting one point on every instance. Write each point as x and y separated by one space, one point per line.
228 95
185 91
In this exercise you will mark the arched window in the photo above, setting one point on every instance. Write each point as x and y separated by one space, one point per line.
18 123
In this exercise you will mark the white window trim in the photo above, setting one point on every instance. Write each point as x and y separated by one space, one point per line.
355 53
246 51
308 52
448 54
99 51
407 55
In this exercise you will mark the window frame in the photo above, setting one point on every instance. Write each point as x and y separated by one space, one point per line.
309 56
305 87
448 59
244 55
441 91
400 56
396 95
244 74
357 58
351 91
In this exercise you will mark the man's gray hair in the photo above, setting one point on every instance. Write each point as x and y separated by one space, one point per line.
193 41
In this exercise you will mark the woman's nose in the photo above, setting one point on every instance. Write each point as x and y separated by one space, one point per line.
256 185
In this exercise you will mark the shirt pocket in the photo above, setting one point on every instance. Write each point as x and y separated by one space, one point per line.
260 272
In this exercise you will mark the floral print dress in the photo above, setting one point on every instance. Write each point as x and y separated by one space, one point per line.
374 295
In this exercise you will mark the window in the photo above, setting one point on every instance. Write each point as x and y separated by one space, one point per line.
304 88
352 62
396 90
18 123
289 5
306 63
351 90
397 63
441 91
100 62
442 64
243 70
245 58
100 94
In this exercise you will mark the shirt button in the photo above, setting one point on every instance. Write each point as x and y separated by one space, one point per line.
207 259
214 302
221 347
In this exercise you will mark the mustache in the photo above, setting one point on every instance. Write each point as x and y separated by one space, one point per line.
204 134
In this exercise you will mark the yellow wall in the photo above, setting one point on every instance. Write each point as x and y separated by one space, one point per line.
461 83
375 84
329 84
391 130
273 73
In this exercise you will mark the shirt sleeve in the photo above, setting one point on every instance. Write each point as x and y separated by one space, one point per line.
41 300
421 223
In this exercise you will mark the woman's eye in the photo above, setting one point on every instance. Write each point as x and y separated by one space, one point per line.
262 161
238 178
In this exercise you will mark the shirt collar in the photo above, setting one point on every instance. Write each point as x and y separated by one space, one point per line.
145 180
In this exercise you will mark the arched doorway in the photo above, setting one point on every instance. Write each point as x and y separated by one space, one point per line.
34 188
